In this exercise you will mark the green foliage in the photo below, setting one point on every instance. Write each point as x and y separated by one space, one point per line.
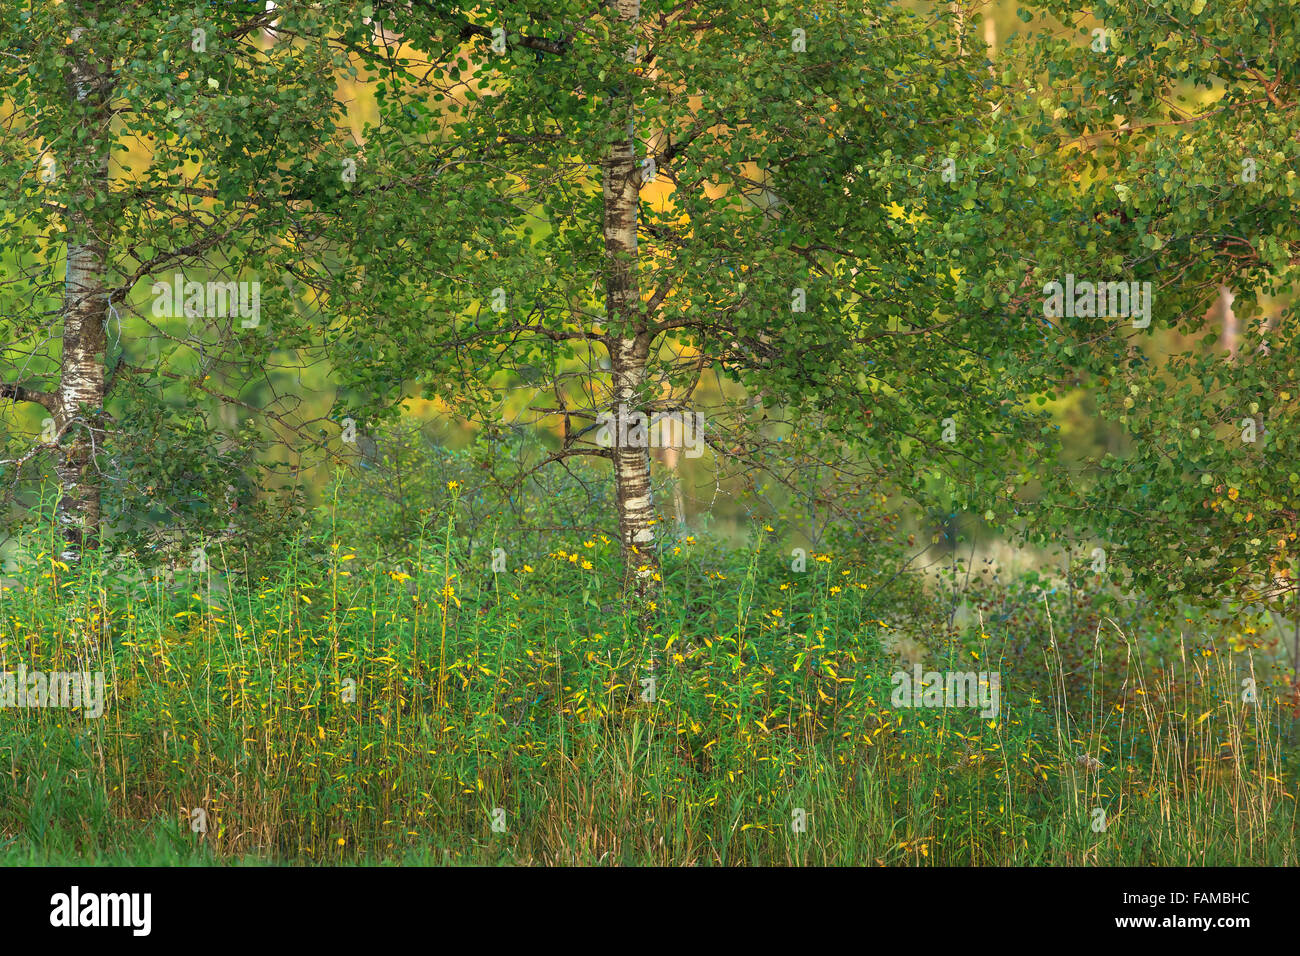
1181 153
843 260
783 174
172 471
523 692
215 142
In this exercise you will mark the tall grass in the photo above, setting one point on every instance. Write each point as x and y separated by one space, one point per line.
338 708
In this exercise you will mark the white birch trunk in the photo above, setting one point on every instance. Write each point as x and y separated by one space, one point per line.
80 394
629 353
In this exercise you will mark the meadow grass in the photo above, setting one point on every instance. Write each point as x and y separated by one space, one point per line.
338 708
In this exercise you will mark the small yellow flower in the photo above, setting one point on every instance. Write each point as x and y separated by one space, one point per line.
453 485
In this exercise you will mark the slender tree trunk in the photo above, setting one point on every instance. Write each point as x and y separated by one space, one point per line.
80 395
630 349
959 26
671 459
632 493
1229 320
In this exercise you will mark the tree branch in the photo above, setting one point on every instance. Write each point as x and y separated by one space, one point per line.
21 393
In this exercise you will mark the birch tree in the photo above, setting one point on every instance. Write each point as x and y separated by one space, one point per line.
138 144
601 206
